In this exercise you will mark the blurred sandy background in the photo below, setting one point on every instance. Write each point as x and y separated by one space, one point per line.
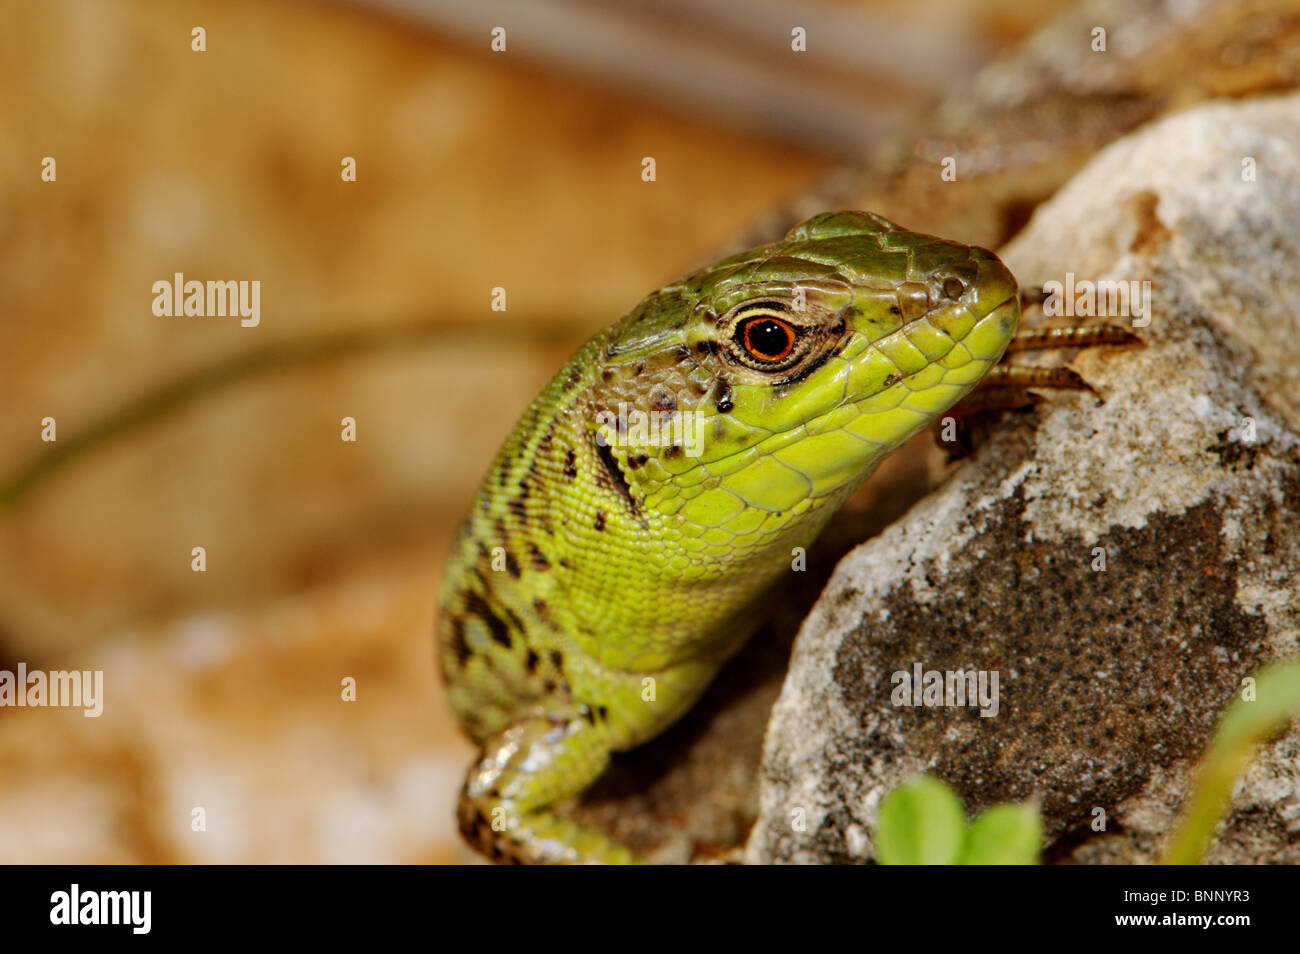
475 170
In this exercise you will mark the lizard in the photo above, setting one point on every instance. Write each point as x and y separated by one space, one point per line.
616 553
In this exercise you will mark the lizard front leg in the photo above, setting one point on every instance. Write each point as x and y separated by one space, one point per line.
506 805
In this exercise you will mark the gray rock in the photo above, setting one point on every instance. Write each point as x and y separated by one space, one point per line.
1111 682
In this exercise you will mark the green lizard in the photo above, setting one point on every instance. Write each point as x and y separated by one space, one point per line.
615 553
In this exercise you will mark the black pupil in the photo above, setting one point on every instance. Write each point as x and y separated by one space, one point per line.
768 338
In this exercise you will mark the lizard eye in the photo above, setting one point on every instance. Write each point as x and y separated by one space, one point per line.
762 335
766 338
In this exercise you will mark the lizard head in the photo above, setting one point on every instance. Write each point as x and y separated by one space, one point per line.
773 382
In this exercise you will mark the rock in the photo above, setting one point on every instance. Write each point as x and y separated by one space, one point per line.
1030 120
1186 476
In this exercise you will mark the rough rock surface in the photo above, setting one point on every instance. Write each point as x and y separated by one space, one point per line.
1111 681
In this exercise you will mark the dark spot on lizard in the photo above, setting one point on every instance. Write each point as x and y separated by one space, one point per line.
458 644
723 400
571 465
557 659
499 633
543 446
538 557
663 401
519 507
618 481
531 661
497 629
600 519
515 621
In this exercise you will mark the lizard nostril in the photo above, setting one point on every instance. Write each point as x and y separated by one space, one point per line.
953 288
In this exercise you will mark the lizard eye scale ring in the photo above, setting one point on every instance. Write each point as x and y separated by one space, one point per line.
764 339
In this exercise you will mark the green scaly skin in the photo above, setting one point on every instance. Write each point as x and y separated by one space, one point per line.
598 585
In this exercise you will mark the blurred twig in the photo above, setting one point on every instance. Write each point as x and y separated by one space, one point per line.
863 77
185 390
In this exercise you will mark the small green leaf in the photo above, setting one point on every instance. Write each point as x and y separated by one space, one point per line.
1004 835
1247 723
921 823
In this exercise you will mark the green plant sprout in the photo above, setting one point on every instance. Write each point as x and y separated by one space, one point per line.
1265 707
922 822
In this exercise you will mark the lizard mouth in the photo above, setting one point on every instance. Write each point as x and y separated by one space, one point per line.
1008 315
1004 317
1002 320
